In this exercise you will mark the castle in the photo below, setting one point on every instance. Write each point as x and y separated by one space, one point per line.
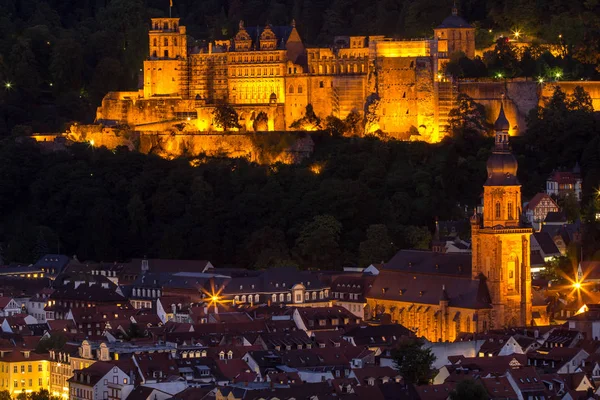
439 295
397 84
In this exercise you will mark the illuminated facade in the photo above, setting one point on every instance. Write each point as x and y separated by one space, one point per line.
23 371
269 70
501 247
439 295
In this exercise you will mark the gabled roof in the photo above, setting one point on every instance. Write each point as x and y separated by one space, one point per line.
538 198
546 243
417 288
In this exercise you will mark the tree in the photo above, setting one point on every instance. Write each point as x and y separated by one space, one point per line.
5 395
502 61
467 119
42 394
414 362
310 120
334 125
570 206
56 341
226 117
377 247
468 389
353 123
318 243
267 248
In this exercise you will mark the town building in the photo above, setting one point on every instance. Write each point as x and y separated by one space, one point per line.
538 208
563 183
438 295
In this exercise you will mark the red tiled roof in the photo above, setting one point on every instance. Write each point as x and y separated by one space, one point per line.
4 300
538 198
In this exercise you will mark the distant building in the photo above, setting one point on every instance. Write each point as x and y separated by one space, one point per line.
562 183
538 208
268 70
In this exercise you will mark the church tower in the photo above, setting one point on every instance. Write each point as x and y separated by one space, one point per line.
501 247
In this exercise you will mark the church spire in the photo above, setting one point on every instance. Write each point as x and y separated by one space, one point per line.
454 9
501 126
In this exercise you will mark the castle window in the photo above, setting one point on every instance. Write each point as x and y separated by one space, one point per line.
497 209
174 41
291 90
166 42
299 89
321 84
155 42
166 53
510 210
166 26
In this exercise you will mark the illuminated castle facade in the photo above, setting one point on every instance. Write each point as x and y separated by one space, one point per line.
270 70
439 295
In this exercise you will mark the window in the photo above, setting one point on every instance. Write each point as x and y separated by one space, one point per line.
22 369
29 368
15 370
299 89
174 41
497 209
289 297
30 382
155 42
291 90
321 84
274 297
39 381
281 297
510 210
166 42
16 384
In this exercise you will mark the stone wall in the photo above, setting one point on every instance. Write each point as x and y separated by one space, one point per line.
520 97
405 86
593 88
264 148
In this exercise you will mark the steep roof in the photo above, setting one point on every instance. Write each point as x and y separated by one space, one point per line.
538 198
419 261
408 287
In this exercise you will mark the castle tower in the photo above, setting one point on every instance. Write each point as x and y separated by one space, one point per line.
165 70
501 247
455 34
168 39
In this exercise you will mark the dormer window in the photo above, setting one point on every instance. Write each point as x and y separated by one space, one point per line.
222 355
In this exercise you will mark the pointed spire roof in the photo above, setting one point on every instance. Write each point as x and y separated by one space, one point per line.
454 20
444 296
501 123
